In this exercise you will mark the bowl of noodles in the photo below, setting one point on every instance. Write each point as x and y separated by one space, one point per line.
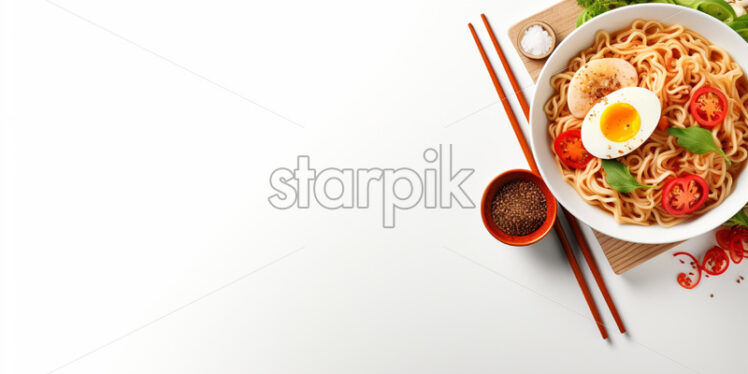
639 123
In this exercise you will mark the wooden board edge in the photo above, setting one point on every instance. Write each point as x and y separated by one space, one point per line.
620 267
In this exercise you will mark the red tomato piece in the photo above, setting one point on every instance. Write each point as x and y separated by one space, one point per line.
683 279
684 195
708 106
715 261
569 148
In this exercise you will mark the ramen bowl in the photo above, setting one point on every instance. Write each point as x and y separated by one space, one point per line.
712 29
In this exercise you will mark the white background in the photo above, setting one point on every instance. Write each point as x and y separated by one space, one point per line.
137 236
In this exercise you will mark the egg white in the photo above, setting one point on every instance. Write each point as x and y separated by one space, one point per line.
644 101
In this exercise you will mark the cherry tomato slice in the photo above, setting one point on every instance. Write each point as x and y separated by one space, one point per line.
715 261
683 278
708 106
724 238
684 195
569 148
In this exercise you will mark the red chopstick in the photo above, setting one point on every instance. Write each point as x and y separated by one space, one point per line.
507 69
528 155
572 221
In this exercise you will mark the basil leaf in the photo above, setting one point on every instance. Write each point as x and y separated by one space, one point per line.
697 140
740 218
617 175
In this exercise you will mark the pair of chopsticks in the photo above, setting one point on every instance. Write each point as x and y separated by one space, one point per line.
530 160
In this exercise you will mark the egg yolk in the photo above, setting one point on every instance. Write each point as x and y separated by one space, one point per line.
620 122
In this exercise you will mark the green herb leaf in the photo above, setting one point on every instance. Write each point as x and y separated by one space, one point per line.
740 25
617 175
740 218
697 140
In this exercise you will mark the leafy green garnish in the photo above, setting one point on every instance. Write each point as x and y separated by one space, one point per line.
586 15
740 21
618 176
740 218
594 8
697 140
719 9
740 25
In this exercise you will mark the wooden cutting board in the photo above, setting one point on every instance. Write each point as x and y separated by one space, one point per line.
562 18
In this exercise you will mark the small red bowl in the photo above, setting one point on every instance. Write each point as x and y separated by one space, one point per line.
487 201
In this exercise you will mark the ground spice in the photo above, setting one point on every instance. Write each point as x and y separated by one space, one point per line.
519 208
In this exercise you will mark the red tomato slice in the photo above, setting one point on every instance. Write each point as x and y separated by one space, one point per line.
708 106
715 261
684 195
569 148
683 279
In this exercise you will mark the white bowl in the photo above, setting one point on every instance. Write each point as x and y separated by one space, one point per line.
712 29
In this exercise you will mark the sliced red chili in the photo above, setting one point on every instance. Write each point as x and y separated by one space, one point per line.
733 246
684 195
708 106
684 279
715 261
724 238
663 124
571 151
737 245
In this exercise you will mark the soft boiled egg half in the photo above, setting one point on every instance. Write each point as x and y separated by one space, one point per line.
620 122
